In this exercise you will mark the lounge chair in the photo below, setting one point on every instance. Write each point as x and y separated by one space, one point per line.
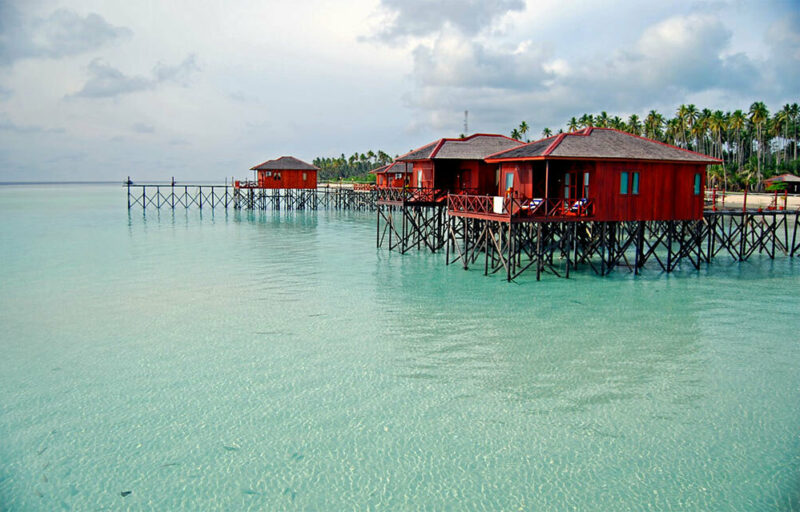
578 207
530 207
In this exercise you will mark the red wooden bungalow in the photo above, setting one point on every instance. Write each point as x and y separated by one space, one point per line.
283 172
380 178
457 165
596 173
394 175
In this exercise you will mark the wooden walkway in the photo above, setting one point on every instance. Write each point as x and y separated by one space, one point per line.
143 195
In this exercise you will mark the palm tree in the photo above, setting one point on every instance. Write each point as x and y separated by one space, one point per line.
586 120
673 130
737 123
634 125
652 124
681 115
704 141
783 119
523 129
758 117
547 132
515 134
698 132
794 111
572 124
717 124
692 115
602 119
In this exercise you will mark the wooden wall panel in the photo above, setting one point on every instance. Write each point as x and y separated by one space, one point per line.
287 178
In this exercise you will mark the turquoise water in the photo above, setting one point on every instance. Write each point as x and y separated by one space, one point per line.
240 361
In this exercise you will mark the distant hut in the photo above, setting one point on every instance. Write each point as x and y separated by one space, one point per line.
792 182
605 174
457 165
380 177
285 172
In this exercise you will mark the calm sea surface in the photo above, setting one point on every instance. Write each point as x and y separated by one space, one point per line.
241 361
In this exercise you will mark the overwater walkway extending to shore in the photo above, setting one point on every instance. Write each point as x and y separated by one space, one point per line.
554 246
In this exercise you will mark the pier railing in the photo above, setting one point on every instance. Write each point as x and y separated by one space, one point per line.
518 208
174 196
411 195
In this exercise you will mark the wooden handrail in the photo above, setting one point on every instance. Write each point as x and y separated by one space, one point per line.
520 207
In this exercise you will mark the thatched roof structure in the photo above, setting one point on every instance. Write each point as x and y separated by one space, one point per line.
784 178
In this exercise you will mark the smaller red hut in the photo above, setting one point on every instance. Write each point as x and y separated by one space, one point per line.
394 175
457 165
380 178
285 172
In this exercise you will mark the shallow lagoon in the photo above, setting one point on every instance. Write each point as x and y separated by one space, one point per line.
265 361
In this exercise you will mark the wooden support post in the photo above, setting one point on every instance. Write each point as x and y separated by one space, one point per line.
539 262
128 183
567 244
486 247
670 233
743 237
603 248
711 229
773 229
510 251
465 222
637 262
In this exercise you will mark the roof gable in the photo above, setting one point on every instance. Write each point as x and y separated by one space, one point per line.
422 153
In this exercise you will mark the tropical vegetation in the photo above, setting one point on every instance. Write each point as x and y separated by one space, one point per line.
356 167
753 144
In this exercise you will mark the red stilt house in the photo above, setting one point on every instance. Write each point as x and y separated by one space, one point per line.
394 175
380 177
457 165
285 172
602 174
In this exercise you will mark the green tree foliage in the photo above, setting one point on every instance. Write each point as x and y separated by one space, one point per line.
752 144
356 167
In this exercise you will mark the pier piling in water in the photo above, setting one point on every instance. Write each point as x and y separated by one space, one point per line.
559 246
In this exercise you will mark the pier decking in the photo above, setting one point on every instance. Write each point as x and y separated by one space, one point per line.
144 195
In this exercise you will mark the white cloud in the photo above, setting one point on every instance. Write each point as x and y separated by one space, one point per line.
62 33
108 82
420 18
323 78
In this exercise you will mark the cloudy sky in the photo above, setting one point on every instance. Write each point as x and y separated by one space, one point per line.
99 89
